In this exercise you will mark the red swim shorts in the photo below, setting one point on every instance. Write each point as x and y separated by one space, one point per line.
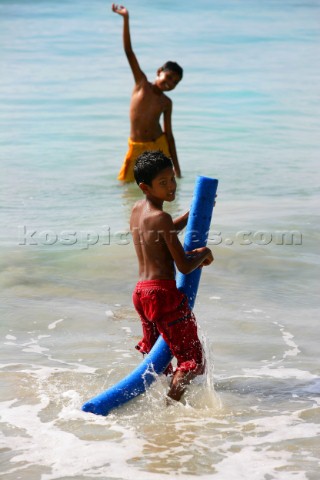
164 310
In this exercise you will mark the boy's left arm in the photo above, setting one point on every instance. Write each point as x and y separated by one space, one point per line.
167 114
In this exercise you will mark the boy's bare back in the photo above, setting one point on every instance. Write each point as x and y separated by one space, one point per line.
147 225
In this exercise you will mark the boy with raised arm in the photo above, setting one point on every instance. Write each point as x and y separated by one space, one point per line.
164 309
148 103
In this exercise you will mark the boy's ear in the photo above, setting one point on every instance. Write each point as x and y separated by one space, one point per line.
160 69
144 187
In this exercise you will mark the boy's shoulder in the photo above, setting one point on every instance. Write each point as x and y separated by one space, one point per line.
153 215
158 220
138 204
149 89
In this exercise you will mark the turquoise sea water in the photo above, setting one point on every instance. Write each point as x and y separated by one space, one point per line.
247 113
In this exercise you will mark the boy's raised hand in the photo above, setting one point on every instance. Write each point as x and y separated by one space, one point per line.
120 9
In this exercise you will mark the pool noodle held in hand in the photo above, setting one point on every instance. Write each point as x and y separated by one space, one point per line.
160 356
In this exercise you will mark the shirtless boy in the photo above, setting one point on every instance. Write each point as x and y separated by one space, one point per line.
164 309
148 103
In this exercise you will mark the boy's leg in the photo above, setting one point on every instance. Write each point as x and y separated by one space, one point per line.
179 329
164 309
179 382
150 335
149 329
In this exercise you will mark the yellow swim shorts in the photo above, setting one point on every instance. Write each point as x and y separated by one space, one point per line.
135 149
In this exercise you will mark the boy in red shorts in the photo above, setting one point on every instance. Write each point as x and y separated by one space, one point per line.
163 308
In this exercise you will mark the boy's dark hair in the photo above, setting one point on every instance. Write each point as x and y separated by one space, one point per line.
173 67
149 164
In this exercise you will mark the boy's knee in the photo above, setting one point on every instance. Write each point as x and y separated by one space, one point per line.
191 366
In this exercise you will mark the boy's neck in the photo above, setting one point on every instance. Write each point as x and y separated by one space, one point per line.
156 89
154 202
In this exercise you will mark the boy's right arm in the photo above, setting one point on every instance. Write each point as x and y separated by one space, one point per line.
132 59
186 262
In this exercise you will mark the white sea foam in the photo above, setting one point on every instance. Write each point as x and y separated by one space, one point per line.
53 325
279 372
254 464
46 444
11 337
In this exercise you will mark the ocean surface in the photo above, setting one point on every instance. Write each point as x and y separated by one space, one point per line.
247 113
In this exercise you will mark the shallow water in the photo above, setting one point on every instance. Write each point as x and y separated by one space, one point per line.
247 113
